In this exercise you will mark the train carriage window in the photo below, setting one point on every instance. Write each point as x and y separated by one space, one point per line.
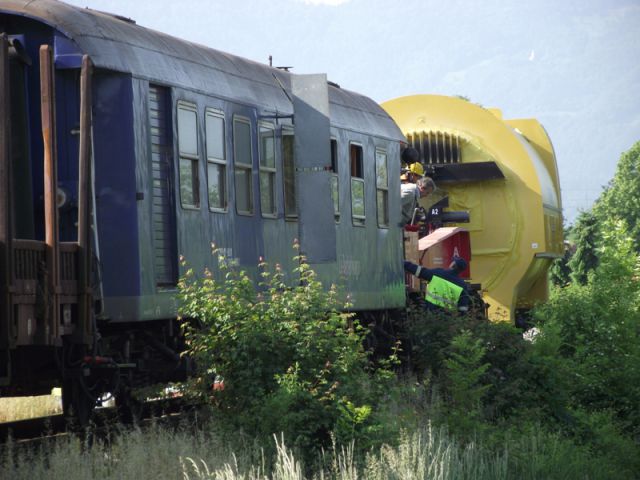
189 156
334 179
382 188
216 160
243 163
289 173
267 170
357 184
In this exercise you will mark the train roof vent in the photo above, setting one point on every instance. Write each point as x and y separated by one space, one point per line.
437 147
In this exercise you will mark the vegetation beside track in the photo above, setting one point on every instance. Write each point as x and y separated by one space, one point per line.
574 384
479 401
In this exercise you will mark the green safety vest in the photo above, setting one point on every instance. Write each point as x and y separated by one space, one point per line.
443 293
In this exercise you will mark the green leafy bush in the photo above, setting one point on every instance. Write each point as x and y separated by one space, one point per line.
571 387
464 369
595 330
289 360
519 381
428 334
591 333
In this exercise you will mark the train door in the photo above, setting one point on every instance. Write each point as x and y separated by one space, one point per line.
164 237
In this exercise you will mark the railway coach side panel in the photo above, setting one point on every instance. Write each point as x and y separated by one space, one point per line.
115 195
368 235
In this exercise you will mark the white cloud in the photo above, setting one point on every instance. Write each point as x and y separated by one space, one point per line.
333 3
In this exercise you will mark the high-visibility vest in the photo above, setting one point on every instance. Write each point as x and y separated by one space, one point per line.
443 293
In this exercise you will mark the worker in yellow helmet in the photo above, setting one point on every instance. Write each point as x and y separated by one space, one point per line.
414 184
412 168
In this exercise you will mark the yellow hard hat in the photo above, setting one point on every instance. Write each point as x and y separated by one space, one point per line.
416 168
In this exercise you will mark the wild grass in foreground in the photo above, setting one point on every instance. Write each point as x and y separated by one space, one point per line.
427 453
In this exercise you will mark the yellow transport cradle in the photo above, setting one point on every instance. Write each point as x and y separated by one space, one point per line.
515 221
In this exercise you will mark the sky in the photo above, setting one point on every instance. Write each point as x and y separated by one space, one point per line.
572 64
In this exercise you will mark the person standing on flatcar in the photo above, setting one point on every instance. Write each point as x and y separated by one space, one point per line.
414 184
445 290
411 193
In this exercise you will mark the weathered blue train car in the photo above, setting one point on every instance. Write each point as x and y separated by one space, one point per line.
184 146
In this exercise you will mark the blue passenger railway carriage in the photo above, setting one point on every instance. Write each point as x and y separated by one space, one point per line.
123 148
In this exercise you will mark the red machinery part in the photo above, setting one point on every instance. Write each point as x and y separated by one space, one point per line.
440 247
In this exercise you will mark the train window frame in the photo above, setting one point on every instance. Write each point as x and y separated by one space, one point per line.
216 161
184 156
335 178
247 168
290 197
357 182
266 171
382 189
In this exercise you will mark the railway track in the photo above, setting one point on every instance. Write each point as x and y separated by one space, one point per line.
104 420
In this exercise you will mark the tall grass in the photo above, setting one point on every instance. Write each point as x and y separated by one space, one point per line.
429 453
426 453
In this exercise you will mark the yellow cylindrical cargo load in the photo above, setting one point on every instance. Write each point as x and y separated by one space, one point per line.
515 222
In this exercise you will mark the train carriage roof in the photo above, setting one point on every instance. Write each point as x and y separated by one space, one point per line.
117 43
